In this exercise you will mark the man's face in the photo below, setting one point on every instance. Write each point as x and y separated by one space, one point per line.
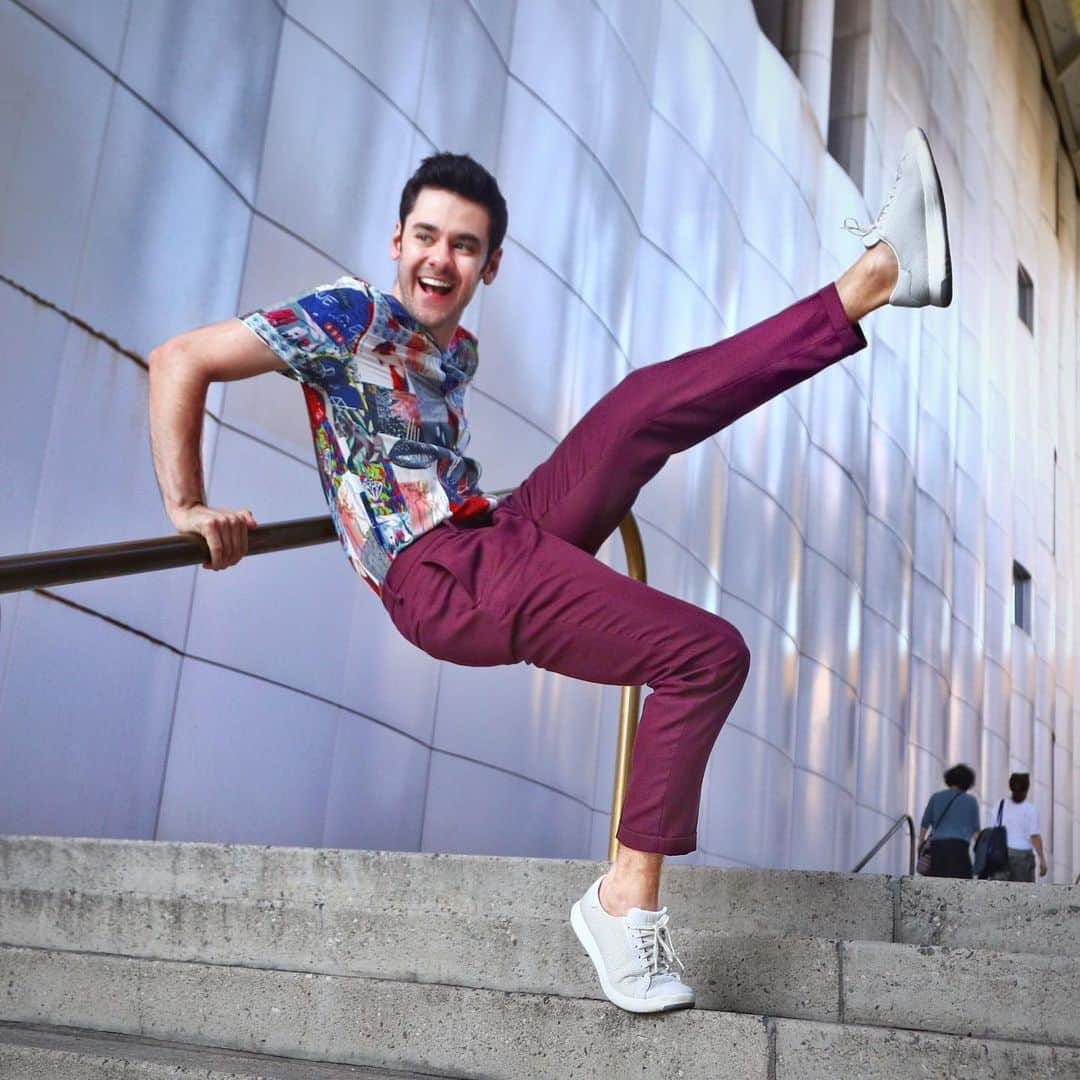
441 252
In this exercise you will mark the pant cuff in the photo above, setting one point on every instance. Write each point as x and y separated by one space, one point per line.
658 845
849 334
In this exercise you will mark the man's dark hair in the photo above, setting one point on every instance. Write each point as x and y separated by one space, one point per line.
960 776
1019 783
463 176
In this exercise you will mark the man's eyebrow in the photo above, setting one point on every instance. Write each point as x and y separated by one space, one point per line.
425 227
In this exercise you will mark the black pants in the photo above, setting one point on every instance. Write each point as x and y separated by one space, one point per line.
950 858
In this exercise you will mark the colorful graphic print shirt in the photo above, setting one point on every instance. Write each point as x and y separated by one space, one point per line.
387 416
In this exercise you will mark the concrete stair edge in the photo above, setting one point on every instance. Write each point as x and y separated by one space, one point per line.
51 1052
876 988
795 1050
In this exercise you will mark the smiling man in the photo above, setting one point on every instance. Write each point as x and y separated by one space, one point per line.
476 581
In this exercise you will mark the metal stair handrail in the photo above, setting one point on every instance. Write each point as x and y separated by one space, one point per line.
39 570
887 837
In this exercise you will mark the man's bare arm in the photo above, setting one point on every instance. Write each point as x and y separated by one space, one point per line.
181 371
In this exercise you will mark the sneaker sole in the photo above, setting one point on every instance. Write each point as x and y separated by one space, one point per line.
630 1004
939 262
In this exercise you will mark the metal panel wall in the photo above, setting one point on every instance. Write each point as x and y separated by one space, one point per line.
668 184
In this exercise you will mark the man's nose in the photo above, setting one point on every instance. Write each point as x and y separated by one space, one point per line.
439 253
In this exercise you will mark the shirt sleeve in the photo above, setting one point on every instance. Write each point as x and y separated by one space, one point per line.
317 332
972 814
928 814
1034 813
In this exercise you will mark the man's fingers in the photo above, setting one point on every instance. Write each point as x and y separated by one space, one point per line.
239 538
213 542
226 535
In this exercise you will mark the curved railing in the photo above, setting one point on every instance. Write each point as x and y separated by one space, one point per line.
887 837
67 567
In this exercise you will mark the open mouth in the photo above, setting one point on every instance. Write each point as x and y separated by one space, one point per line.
435 286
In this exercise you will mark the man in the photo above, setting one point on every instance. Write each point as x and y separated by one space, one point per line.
475 583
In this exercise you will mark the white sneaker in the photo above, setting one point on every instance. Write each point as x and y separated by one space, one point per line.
912 222
632 955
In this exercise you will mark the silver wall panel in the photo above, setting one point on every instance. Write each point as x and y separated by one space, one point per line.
349 30
131 284
766 707
513 730
48 184
249 618
25 405
465 114
177 57
375 795
300 183
98 413
247 758
59 774
98 28
476 810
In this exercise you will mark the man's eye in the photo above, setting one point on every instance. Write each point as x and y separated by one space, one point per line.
423 236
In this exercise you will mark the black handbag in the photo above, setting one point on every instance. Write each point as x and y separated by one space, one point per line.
992 848
925 858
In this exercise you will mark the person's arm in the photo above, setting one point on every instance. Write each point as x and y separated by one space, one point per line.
1036 843
181 371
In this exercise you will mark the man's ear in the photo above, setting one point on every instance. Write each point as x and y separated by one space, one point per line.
492 268
395 243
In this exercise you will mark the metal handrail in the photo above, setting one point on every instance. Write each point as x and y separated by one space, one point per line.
887 837
40 570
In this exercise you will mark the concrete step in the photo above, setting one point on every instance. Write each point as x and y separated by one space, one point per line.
853 907
371 1022
444 1031
993 915
924 988
34 1052
990 914
790 976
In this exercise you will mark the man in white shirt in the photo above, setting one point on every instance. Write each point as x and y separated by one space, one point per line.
1021 821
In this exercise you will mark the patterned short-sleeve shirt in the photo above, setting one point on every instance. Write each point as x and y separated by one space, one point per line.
387 416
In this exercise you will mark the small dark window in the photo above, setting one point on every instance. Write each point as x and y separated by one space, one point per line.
1021 597
1026 292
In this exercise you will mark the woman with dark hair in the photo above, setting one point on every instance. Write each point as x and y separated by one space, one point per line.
952 815
1021 821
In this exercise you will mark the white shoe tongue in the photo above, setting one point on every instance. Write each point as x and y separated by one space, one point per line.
639 917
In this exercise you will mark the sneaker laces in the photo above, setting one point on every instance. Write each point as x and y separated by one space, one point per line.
853 226
653 947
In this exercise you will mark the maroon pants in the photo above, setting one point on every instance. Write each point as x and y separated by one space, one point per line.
528 586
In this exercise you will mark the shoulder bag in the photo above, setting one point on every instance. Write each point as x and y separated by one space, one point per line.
992 848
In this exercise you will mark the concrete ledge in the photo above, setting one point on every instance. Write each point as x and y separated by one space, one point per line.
810 1051
998 915
847 906
37 1053
369 1022
963 991
790 976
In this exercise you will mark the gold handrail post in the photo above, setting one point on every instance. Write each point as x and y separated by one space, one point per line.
630 700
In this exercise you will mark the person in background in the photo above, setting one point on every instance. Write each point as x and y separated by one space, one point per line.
1021 821
953 816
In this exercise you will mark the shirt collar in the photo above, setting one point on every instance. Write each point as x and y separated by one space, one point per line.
460 338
